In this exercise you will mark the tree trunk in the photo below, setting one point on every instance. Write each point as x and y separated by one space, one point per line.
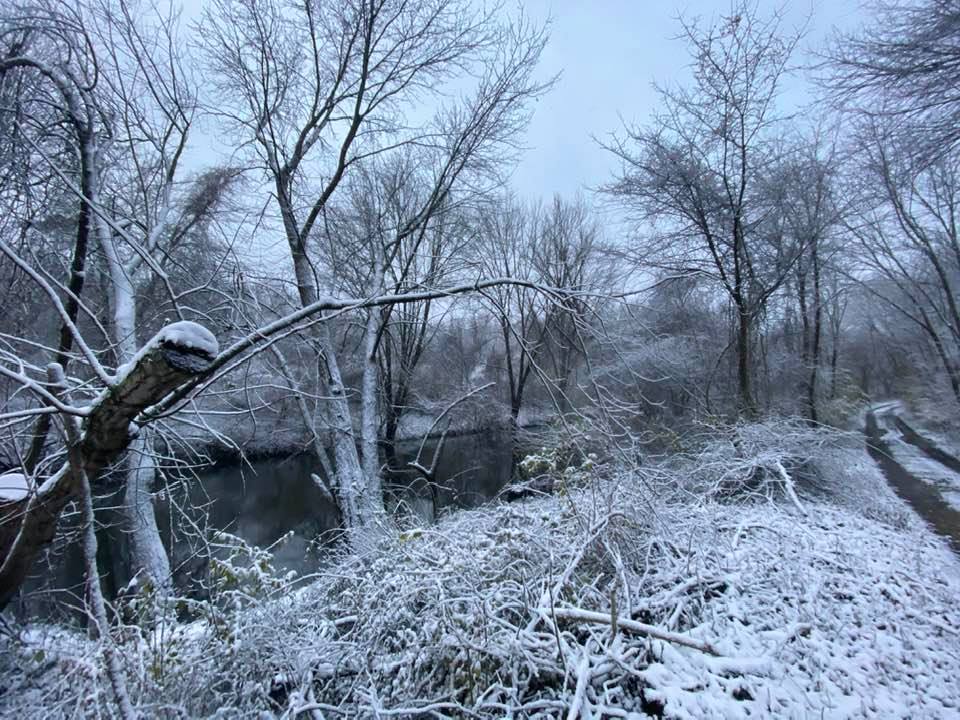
351 484
391 427
804 320
369 414
96 607
355 503
148 556
88 188
747 404
815 340
29 525
834 352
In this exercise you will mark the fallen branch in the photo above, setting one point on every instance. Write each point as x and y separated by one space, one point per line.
789 487
632 626
583 680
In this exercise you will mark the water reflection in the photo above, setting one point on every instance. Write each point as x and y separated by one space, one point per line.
262 501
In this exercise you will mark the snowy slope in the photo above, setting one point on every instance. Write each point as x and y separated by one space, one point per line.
728 610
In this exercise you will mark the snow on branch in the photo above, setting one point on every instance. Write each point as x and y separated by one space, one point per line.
187 340
632 626
13 487
263 337
176 354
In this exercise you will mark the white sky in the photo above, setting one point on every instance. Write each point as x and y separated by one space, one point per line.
610 52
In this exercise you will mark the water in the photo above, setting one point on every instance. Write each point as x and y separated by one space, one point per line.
262 501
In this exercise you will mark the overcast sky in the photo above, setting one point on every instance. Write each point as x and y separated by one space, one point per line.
609 53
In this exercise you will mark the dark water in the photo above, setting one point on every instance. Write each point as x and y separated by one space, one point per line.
260 502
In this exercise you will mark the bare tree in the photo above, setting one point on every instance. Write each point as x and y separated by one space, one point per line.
839 289
569 254
696 173
383 232
811 211
509 233
541 336
47 79
359 65
139 221
903 66
125 94
909 240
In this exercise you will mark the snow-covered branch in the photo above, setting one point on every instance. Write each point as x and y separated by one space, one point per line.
179 352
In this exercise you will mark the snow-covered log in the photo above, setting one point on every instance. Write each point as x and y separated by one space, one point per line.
176 354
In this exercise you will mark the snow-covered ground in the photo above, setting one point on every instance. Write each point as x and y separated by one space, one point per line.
415 423
941 440
918 464
846 608
914 460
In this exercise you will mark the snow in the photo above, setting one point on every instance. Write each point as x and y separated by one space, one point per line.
184 334
190 335
879 619
730 609
926 469
940 440
915 461
14 487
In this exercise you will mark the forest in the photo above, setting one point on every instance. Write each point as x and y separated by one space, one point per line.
310 409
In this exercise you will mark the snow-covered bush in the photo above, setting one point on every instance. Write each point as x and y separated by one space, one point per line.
765 460
621 596
557 469
241 574
168 631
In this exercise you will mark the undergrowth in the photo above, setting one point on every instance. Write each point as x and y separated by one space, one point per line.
670 590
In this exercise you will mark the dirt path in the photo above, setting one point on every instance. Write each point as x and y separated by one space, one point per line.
923 497
927 447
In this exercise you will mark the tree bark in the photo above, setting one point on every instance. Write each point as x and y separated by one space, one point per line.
355 503
148 557
815 339
146 548
369 411
748 406
97 607
28 525
88 182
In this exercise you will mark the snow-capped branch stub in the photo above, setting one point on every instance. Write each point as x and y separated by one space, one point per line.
188 335
177 354
184 336
14 486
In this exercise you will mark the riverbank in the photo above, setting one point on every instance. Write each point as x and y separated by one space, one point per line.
631 596
239 441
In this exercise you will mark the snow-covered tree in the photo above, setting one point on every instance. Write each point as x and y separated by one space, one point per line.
361 66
